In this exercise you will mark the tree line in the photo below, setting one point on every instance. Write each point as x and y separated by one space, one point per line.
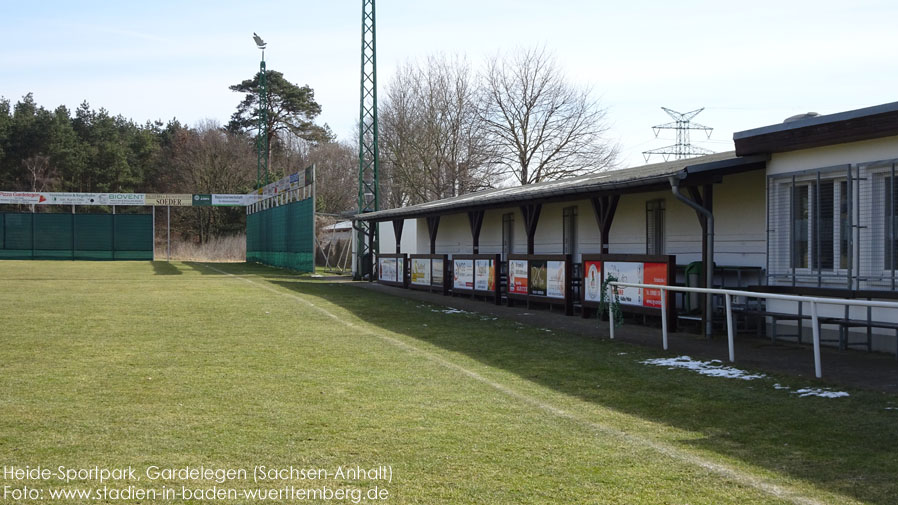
446 129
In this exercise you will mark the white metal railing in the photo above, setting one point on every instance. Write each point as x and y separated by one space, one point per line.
730 293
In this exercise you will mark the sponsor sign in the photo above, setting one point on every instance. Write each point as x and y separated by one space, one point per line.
555 279
538 279
483 275
123 199
178 200
202 200
386 269
436 272
22 198
420 271
653 273
291 182
517 277
592 281
72 199
626 272
233 200
463 274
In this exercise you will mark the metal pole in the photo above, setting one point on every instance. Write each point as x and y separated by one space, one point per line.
610 312
730 340
154 233
168 230
817 365
664 318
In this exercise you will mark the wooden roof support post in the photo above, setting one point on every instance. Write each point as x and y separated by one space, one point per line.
433 224
475 218
604 208
397 232
531 219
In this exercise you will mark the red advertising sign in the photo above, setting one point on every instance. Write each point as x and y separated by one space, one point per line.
653 273
517 277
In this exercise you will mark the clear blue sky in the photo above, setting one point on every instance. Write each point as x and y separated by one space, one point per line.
749 64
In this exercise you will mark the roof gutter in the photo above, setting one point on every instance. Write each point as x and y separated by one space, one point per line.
709 261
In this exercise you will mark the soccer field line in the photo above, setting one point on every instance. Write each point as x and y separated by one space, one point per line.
739 476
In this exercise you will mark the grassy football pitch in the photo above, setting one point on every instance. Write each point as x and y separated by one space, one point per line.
250 385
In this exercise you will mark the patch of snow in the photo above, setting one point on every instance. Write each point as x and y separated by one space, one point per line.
822 393
451 311
621 354
891 408
712 368
777 386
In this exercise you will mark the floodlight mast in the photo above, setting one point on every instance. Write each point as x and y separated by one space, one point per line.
262 138
368 240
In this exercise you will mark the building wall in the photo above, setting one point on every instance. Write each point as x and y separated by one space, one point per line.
739 208
839 154
409 242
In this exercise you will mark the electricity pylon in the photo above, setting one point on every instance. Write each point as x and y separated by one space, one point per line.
682 124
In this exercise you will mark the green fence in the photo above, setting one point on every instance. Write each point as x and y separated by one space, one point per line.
76 236
283 236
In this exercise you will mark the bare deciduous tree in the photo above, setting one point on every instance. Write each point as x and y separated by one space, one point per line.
209 159
541 126
432 140
41 174
336 169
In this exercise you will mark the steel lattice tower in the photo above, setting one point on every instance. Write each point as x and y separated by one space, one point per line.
682 124
369 200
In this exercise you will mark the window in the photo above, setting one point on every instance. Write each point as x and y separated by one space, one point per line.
507 235
569 230
890 209
818 239
654 227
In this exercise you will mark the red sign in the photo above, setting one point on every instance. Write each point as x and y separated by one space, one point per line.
653 273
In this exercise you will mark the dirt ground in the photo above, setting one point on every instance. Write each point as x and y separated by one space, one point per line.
859 369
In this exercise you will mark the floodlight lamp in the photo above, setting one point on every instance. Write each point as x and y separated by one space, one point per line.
259 42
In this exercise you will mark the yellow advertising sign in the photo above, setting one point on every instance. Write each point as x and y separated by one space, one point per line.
185 200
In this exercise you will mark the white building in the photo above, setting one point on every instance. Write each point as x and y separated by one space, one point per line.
804 207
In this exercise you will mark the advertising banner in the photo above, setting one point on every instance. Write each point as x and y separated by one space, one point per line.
72 199
123 199
626 272
592 282
483 275
436 272
420 271
386 269
233 200
22 197
202 200
180 200
538 279
654 273
555 279
463 275
517 277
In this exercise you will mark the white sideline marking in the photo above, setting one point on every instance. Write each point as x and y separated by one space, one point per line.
723 470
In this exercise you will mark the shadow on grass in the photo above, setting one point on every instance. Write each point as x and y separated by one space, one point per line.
847 445
257 269
165 268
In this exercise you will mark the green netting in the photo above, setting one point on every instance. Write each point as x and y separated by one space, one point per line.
76 236
133 238
283 236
